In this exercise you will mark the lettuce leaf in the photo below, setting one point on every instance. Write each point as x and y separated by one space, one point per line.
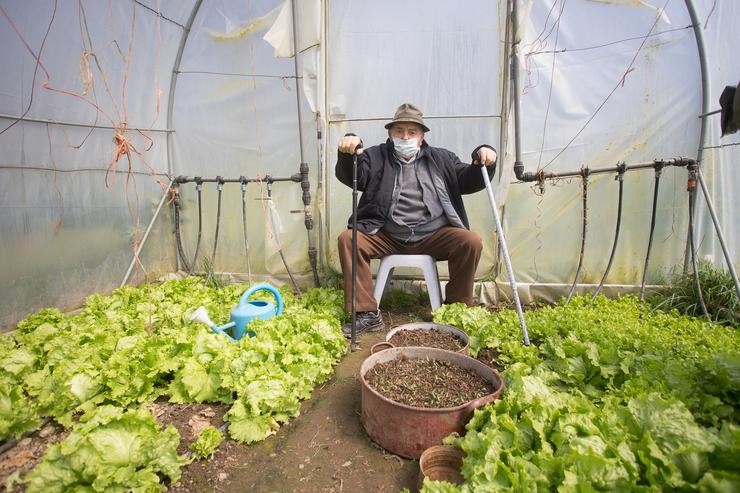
111 450
207 442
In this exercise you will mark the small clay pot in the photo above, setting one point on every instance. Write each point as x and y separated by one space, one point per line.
441 463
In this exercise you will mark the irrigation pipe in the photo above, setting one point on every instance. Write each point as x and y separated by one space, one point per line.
583 235
189 266
178 238
146 235
619 167
246 239
658 172
198 188
243 181
620 178
220 188
219 179
305 184
528 177
504 250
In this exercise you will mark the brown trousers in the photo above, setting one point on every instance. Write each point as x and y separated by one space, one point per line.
460 247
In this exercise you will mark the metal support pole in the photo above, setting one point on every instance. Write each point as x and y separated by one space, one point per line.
305 184
699 36
146 235
353 314
505 252
173 87
718 230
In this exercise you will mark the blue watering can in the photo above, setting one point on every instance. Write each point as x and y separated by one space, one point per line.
244 312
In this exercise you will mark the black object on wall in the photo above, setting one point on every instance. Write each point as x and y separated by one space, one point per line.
730 103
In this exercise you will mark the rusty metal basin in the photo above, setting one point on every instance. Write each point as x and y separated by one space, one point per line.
423 326
406 430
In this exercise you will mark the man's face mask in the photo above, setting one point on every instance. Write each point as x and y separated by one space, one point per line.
405 148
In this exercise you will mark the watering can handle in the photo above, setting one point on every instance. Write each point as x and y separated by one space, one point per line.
263 287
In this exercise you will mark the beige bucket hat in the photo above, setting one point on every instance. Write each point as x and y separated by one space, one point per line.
408 113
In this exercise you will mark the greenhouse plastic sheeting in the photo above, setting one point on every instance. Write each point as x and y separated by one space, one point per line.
590 96
602 82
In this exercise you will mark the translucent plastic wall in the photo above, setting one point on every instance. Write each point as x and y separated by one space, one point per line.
82 149
235 111
594 97
721 153
103 103
602 83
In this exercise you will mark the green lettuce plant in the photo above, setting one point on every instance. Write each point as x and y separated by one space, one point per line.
614 396
101 366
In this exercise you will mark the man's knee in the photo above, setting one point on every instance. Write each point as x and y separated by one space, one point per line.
472 241
345 239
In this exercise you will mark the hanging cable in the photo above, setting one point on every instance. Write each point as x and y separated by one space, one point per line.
658 171
220 188
621 168
691 188
275 223
244 221
584 214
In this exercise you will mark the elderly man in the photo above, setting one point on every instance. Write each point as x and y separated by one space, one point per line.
411 204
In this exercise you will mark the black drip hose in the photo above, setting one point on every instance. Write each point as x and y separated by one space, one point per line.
620 178
583 235
178 238
220 187
699 293
189 266
246 240
198 188
658 171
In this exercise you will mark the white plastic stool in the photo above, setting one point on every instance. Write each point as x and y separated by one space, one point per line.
424 262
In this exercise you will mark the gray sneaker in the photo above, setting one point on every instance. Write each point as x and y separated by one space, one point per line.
364 322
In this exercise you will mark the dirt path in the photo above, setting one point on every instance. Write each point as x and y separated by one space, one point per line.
325 449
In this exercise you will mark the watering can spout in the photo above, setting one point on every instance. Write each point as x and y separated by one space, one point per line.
201 315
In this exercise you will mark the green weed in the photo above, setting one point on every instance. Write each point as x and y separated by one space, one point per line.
718 290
